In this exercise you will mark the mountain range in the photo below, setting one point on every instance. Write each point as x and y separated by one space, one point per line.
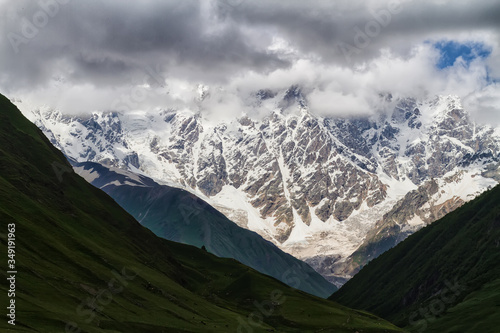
86 264
333 191
83 264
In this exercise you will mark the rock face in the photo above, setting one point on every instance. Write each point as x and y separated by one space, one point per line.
320 188
417 208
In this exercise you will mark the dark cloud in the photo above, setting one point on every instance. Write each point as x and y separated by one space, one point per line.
106 40
322 26
110 44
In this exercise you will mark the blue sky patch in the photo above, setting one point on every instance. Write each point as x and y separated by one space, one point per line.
451 50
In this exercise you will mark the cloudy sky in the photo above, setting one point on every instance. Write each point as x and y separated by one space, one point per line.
80 56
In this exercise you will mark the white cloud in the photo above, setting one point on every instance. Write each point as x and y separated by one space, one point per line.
484 104
326 103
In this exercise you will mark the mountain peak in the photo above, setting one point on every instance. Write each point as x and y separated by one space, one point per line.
333 178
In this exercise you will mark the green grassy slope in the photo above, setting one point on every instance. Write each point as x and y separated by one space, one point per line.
435 271
478 312
83 262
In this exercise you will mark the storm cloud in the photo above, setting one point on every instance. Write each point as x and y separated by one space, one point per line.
89 53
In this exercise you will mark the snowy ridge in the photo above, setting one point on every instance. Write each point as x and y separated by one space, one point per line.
314 186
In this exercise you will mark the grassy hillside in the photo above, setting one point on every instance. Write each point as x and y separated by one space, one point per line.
478 312
180 216
84 265
438 274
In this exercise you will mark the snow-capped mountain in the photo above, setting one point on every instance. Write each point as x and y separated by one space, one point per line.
320 188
